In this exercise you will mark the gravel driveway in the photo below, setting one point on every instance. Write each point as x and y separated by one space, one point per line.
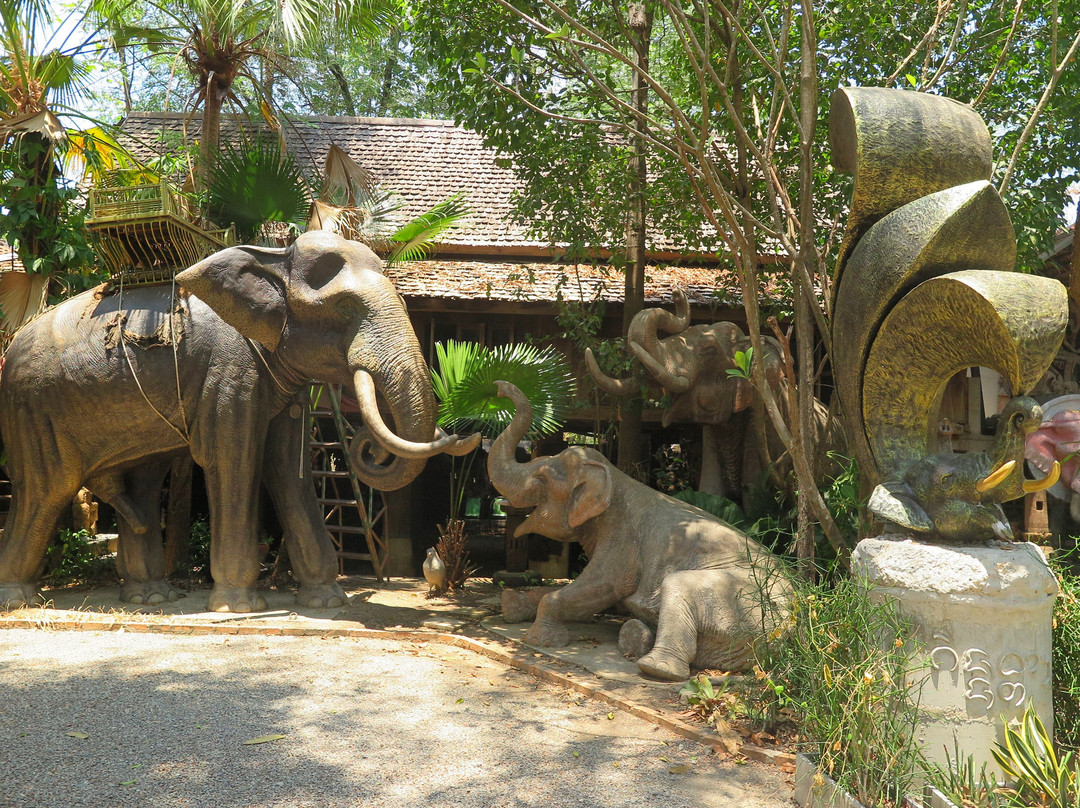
366 723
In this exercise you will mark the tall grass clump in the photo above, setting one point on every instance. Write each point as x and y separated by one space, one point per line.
1066 653
840 668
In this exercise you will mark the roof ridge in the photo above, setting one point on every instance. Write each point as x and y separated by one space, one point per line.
174 115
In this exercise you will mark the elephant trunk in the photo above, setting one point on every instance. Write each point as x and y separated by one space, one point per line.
644 340
407 389
648 322
507 475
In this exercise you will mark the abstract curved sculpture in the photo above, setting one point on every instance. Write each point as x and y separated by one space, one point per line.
924 289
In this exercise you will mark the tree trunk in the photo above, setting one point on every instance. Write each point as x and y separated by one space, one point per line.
210 137
178 518
805 266
629 458
346 94
389 71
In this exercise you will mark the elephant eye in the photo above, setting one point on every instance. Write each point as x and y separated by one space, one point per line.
350 306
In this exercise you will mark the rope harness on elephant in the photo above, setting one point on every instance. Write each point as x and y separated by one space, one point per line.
183 433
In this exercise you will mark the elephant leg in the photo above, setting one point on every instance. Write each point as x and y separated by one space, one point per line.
140 555
311 550
232 486
517 607
45 477
29 527
704 619
636 639
591 592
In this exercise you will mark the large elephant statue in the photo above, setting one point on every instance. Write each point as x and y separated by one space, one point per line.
700 591
107 388
692 366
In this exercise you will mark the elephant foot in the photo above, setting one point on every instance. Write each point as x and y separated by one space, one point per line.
635 639
15 596
236 599
321 596
517 607
660 665
547 635
149 592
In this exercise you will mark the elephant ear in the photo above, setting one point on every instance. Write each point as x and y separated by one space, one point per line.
591 494
895 502
246 287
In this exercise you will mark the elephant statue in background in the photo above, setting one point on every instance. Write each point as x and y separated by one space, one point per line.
700 591
107 388
1057 440
691 365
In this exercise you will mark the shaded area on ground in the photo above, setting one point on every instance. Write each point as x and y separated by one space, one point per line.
366 722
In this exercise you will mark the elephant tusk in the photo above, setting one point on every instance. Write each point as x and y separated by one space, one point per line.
616 387
369 408
460 445
671 382
1031 486
996 477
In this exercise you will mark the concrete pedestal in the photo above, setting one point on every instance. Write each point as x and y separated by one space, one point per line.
984 620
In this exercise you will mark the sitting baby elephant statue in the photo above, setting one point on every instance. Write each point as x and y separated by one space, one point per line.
701 592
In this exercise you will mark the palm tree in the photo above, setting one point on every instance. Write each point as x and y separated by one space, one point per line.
43 75
222 41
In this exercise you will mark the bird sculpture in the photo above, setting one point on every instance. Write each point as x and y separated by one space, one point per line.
434 572
924 289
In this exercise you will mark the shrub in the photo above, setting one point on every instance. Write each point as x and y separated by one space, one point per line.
840 668
74 560
1066 657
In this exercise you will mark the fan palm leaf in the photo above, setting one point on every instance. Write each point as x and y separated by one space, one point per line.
416 239
468 400
255 184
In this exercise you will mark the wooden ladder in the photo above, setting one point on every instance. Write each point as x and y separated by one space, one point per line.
350 509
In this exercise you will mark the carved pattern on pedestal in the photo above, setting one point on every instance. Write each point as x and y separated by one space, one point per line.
986 682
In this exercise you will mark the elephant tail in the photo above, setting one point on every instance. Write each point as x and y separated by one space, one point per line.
924 286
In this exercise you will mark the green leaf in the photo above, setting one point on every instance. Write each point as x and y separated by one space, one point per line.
464 383
262 739
911 80
416 239
516 54
562 33
480 60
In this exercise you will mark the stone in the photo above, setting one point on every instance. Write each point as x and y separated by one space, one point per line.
983 617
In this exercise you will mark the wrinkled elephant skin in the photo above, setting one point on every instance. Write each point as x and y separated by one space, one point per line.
700 590
106 389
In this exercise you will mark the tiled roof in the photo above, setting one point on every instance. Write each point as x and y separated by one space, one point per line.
423 161
427 161
448 279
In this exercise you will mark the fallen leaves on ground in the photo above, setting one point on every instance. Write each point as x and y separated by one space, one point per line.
263 739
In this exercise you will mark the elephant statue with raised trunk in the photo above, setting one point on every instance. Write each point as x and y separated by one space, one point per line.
107 388
692 366
700 591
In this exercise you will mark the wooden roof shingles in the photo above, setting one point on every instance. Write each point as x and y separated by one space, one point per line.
487 256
